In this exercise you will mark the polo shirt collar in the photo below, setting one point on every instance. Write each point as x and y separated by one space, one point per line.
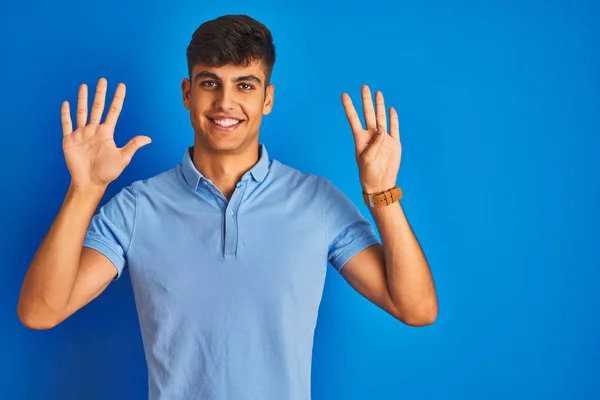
193 177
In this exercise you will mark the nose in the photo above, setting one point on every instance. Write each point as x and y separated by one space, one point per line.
224 99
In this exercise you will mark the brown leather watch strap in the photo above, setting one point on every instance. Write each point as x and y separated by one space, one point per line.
384 198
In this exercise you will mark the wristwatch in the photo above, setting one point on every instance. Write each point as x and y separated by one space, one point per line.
384 198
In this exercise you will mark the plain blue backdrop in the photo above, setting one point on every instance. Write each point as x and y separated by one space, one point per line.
499 113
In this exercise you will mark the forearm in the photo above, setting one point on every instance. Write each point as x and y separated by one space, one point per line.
409 278
49 281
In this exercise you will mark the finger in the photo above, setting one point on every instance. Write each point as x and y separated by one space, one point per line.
380 109
65 117
368 110
82 106
394 124
116 106
352 116
98 105
132 146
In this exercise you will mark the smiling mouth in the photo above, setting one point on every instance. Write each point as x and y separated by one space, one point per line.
224 127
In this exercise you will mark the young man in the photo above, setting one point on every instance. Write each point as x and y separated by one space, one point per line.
227 252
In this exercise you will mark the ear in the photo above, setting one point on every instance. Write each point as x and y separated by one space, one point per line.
269 99
186 92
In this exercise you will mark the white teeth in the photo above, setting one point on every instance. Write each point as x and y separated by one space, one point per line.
226 122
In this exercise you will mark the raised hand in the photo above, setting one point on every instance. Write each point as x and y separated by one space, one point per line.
377 152
92 156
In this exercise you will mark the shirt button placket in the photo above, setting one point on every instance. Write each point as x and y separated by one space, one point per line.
231 222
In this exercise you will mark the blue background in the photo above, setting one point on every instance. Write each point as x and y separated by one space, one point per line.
498 105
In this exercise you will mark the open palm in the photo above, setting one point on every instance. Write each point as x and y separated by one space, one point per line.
92 157
378 153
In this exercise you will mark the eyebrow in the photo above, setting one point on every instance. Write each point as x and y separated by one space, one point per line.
206 74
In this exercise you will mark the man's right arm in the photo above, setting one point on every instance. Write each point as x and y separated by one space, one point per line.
63 275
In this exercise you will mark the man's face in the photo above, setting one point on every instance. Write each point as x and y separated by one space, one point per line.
226 105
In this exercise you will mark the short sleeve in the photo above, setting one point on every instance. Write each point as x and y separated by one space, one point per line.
111 228
347 231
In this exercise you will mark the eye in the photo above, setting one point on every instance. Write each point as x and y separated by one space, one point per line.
247 86
207 83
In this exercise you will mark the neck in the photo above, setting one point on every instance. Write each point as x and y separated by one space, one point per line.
224 170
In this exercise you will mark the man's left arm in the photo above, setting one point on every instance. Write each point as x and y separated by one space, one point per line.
394 275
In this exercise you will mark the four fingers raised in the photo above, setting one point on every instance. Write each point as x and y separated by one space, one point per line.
97 107
375 118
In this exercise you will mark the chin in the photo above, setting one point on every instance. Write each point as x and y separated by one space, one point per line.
218 143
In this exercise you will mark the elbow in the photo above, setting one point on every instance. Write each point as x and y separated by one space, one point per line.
33 320
420 321
37 324
419 317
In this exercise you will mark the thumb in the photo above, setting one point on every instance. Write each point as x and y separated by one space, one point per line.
132 146
370 152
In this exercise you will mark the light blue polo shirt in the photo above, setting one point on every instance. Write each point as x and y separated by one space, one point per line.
227 293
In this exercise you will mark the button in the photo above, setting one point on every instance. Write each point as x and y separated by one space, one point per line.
206 183
230 213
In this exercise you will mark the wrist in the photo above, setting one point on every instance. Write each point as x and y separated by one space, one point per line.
92 190
375 189
381 198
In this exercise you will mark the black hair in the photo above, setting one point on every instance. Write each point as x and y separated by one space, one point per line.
232 39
